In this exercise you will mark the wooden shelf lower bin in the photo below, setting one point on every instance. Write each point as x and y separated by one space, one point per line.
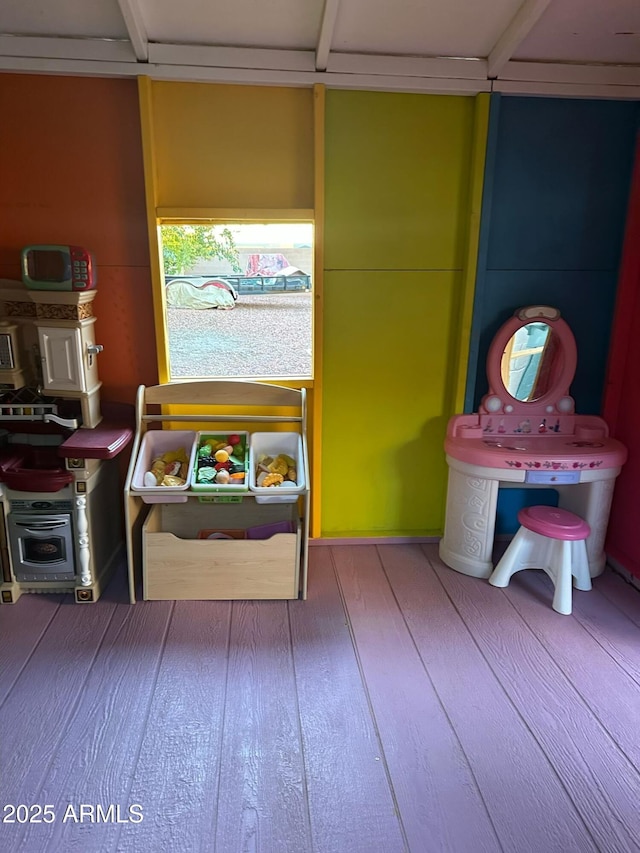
178 566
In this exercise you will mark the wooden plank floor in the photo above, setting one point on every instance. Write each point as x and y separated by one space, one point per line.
402 707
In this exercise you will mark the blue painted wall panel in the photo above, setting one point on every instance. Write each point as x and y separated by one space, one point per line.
560 184
557 180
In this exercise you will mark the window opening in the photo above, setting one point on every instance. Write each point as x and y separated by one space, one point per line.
239 299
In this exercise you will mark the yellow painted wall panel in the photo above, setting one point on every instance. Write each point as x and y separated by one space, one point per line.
397 168
387 387
233 146
403 183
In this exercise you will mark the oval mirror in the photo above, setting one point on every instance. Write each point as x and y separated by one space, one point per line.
531 364
531 358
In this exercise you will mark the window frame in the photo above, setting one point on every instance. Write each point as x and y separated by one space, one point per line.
217 216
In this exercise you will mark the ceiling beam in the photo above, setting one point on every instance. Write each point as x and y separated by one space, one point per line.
304 60
521 25
191 63
407 66
65 49
231 57
567 90
135 27
573 73
246 76
327 26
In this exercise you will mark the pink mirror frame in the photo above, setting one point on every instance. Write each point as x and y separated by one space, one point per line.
557 399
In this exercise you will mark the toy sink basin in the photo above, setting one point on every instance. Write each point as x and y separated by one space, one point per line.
35 469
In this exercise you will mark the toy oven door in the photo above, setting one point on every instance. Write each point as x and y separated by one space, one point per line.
41 546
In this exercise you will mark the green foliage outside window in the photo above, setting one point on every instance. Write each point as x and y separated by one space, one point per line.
184 245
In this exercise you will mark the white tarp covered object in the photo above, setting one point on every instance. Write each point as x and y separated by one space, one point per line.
287 271
201 293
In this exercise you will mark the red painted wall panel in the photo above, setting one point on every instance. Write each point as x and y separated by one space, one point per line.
622 397
72 172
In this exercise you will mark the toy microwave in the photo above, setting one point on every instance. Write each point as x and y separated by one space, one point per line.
58 268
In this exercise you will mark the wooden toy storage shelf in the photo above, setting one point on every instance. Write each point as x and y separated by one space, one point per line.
164 554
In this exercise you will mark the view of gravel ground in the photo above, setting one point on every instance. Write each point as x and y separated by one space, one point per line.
263 336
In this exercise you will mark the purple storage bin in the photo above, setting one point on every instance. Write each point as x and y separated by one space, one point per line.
266 531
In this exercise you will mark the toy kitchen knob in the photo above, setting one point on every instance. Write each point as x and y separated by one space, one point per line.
93 349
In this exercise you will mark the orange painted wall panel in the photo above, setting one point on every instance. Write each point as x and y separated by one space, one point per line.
72 173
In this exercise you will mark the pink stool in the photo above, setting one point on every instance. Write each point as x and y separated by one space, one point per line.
552 539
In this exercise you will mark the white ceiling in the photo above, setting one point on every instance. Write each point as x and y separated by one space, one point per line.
575 48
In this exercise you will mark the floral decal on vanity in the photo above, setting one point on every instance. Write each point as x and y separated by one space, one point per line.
553 466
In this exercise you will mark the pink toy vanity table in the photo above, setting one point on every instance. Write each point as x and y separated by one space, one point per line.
526 434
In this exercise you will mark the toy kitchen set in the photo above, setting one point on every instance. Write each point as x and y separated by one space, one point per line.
60 528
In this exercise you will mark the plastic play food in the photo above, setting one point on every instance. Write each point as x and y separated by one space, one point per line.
272 480
221 460
279 466
277 471
168 480
170 469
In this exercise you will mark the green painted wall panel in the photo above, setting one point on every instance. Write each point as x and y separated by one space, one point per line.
397 176
403 183
387 379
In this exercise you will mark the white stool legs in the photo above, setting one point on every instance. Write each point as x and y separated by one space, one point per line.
514 558
561 576
564 561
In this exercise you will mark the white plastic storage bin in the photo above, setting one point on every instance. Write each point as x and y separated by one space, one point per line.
155 443
238 460
272 444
